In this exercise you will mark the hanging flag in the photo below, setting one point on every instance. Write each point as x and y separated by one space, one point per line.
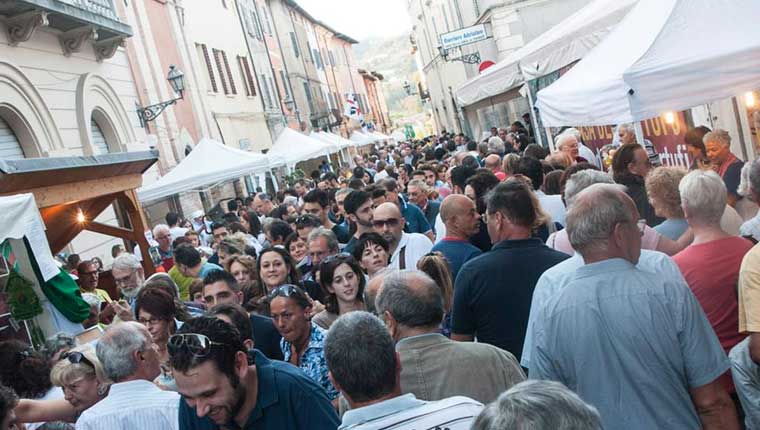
353 110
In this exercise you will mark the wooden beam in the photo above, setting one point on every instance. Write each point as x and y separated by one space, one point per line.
109 230
74 192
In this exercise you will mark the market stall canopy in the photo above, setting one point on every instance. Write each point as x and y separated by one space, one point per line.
295 147
687 65
342 142
363 139
380 136
561 45
209 163
398 136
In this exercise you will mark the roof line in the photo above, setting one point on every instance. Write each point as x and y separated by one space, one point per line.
311 18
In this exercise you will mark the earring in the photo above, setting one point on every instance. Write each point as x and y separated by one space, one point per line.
102 389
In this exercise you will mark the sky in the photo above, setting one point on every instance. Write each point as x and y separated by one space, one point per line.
361 18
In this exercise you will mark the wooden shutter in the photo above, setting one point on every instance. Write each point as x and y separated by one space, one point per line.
218 60
210 68
229 73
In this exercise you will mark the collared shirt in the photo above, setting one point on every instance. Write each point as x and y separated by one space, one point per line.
398 412
286 400
554 280
553 205
313 361
415 219
415 246
746 376
628 342
457 252
133 405
493 292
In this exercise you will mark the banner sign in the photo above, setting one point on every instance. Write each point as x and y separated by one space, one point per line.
463 36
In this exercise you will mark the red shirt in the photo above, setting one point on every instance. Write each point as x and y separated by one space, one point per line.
712 271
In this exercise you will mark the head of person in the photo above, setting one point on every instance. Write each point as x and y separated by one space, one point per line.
568 144
436 266
128 275
754 181
630 159
126 352
553 183
231 245
172 219
478 185
361 358
296 246
460 215
502 134
417 191
262 204
305 224
695 145
316 202
459 177
8 402
372 252
237 316
219 286
537 405
703 198
117 250
193 237
493 163
251 222
359 209
342 281
219 231
494 131
81 376
431 175
583 179
340 198
188 260
322 243
603 222
662 190
156 309
410 300
627 134
388 222
513 210
290 309
241 267
277 231
58 344
88 274
391 189
163 236
24 370
196 291
532 169
275 267
495 146
717 145
210 363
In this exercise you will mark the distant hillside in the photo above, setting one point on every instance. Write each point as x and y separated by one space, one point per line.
392 58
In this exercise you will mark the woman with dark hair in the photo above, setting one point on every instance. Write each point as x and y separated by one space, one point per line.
276 267
552 183
343 285
297 248
24 370
373 253
437 267
155 308
695 146
630 165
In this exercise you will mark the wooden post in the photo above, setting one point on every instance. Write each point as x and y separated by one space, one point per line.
134 211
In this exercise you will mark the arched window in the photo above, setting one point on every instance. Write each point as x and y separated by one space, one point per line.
10 147
99 138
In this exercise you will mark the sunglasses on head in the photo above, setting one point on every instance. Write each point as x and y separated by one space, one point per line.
287 291
76 357
198 345
390 222
343 256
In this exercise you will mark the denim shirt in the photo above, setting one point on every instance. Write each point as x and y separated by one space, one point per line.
313 361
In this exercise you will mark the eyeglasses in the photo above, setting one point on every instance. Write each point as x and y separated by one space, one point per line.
76 357
197 344
390 222
287 290
150 322
127 280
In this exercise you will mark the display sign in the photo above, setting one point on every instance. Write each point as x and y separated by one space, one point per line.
463 36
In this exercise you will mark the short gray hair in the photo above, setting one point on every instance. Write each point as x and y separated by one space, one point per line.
703 195
594 214
160 227
564 138
419 183
579 181
126 261
495 144
754 176
116 347
538 405
332 240
717 135
361 356
627 127
411 307
343 191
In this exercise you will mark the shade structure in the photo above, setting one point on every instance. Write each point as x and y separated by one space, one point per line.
398 136
342 142
210 162
295 147
659 59
561 45
363 139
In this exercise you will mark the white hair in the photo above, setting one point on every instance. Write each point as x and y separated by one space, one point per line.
703 196
593 216
117 345
495 144
159 228
627 127
564 139
579 181
126 261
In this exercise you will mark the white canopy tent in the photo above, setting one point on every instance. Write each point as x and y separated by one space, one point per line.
561 45
295 147
342 144
660 59
380 136
210 162
362 139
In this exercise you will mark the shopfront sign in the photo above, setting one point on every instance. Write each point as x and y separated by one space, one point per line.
463 36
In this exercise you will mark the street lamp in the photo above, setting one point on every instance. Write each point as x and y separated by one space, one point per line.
177 81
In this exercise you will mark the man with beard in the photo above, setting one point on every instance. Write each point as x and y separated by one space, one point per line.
220 387
129 278
358 208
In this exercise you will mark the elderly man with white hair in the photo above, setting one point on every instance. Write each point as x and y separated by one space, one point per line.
583 150
568 144
711 263
625 340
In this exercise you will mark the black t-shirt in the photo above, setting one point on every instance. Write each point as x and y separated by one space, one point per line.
493 292
341 232
732 177
266 338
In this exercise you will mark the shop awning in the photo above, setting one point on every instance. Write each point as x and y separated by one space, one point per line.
209 163
561 45
363 139
660 58
295 147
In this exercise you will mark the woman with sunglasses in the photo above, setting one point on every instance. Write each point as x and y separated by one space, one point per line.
302 341
343 284
373 253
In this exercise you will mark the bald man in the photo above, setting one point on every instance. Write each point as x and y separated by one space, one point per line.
462 221
405 248
493 163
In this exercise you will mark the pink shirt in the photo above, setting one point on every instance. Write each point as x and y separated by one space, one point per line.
561 242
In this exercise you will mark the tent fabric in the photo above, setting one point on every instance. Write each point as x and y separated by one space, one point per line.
593 92
209 162
341 141
363 139
295 147
561 45
20 218
688 65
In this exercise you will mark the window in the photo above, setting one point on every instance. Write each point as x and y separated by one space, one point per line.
311 52
318 58
273 87
267 19
229 73
245 72
309 98
209 68
285 84
265 89
219 67
294 40
256 24
331 57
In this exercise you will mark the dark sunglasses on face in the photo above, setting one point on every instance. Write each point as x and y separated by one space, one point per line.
197 344
390 222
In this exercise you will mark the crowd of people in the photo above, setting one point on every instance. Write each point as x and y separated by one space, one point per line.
439 283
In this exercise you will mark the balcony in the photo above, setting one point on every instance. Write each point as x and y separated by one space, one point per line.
79 22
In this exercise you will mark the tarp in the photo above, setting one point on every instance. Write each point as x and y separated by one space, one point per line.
561 45
210 162
660 58
363 139
295 147
20 218
342 142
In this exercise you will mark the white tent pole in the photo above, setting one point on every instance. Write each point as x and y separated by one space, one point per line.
639 132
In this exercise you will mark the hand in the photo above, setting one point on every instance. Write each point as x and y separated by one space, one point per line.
122 310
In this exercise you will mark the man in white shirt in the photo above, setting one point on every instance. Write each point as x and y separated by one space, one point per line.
405 248
172 220
131 361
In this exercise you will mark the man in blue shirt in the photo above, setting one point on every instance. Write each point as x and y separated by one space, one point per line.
220 388
462 220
